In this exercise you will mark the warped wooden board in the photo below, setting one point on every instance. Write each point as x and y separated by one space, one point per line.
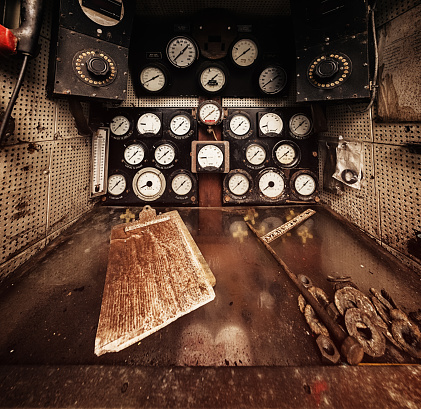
155 274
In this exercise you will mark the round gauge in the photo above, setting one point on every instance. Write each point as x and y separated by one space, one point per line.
300 126
116 184
210 156
120 126
239 125
153 78
286 153
182 52
210 113
271 124
164 154
304 185
180 125
182 184
149 184
212 78
272 79
271 183
255 154
134 154
149 123
244 52
238 183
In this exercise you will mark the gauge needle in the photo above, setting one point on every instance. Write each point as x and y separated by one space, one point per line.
147 184
181 52
248 49
134 154
181 123
121 123
286 153
272 79
115 185
166 153
239 125
304 184
210 113
238 184
299 125
182 183
212 79
270 184
151 79
255 153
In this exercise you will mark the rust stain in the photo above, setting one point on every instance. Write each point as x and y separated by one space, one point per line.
317 389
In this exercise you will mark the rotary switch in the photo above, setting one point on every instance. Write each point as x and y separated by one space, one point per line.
326 68
98 66
329 70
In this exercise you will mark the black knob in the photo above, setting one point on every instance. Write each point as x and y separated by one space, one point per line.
327 68
97 66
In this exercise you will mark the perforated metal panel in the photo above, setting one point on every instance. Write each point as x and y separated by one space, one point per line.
186 102
387 10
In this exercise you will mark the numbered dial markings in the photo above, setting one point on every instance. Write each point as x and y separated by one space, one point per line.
244 52
212 79
210 156
238 184
182 184
149 184
120 126
153 79
180 125
210 113
182 52
286 153
300 126
149 123
271 184
164 154
116 184
271 124
255 154
134 154
239 126
272 80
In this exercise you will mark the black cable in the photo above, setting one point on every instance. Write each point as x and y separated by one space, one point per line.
13 98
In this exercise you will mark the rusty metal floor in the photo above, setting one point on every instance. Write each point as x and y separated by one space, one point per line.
249 347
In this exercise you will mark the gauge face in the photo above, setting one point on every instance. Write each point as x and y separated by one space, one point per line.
244 52
134 154
180 125
286 153
116 184
272 79
120 125
182 184
164 154
255 154
238 184
212 79
240 125
149 184
153 78
182 52
210 113
149 123
304 184
300 125
210 156
271 184
271 124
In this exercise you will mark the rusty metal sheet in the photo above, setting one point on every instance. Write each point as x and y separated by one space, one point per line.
155 275
399 68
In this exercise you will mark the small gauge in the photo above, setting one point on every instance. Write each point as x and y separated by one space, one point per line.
120 127
271 183
182 52
255 154
116 184
164 154
210 156
134 154
210 113
238 182
153 78
244 52
149 184
270 124
300 126
212 78
304 185
180 125
286 154
149 123
182 183
272 79
239 126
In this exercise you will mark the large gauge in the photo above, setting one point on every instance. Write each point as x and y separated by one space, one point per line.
149 184
210 113
237 183
120 127
270 124
300 126
116 184
134 154
165 154
210 156
272 79
304 185
182 183
153 78
239 125
180 125
182 52
271 183
286 154
149 124
212 78
244 52
255 155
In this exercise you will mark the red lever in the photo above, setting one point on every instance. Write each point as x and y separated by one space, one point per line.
8 42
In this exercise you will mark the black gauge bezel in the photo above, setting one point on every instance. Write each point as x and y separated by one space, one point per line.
227 179
166 77
128 133
297 151
268 198
294 189
260 115
294 134
265 148
204 67
193 189
260 72
176 154
150 134
217 105
230 133
127 188
195 47
189 133
242 38
145 149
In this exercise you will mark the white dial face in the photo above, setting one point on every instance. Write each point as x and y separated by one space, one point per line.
271 123
272 79
134 154
240 125
164 154
271 184
210 114
182 184
238 184
149 123
255 154
300 125
153 79
305 184
180 125
149 184
212 79
286 154
120 125
116 184
181 52
210 156
244 52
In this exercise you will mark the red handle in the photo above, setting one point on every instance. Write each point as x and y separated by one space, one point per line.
8 41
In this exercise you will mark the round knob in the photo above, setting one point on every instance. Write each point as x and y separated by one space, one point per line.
327 68
97 66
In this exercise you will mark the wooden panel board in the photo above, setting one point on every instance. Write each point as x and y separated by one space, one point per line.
155 275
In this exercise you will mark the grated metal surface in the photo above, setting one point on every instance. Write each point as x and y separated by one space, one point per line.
387 10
